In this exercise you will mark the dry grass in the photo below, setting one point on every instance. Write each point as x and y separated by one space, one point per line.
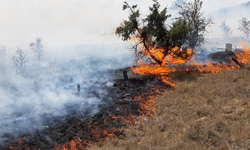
203 112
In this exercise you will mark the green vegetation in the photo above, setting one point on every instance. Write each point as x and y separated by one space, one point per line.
191 13
152 31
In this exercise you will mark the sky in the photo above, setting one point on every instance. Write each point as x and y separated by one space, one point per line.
72 22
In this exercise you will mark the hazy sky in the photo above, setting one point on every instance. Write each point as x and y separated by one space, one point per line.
70 22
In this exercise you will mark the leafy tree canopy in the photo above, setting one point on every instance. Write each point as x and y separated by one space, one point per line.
152 32
191 12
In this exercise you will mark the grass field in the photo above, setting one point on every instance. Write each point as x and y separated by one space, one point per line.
204 112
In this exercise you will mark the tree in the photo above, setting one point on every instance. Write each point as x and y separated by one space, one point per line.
191 12
152 34
37 48
20 61
226 29
244 26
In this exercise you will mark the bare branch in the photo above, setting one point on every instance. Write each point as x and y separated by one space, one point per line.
244 26
20 61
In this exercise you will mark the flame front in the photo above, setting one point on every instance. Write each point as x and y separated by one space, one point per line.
146 101
147 110
98 133
162 71
244 56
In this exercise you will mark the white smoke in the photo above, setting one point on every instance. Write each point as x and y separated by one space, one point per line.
49 89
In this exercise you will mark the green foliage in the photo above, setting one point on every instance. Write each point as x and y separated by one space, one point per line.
152 31
178 34
155 24
130 27
191 12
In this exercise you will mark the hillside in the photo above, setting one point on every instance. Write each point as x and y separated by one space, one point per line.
203 112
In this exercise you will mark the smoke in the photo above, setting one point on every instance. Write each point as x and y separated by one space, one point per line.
230 15
49 88
59 22
226 29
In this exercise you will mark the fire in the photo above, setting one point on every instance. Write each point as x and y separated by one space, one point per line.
75 144
244 57
196 68
158 55
147 110
162 71
98 133
145 101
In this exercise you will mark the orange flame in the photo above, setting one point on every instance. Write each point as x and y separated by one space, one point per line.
21 145
100 133
147 110
196 68
244 57
162 71
75 144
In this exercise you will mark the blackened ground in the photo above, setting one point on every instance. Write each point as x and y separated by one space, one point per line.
222 57
117 102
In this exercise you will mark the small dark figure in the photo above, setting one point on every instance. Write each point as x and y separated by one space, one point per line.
78 89
125 74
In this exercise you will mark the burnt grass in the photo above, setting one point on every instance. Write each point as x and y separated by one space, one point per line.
118 102
222 56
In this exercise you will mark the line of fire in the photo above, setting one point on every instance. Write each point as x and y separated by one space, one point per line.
157 60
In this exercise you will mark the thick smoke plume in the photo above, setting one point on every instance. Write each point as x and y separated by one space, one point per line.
49 91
